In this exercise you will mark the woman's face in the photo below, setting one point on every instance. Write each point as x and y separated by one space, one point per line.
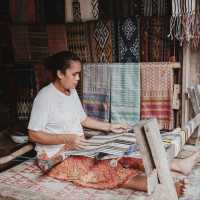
70 79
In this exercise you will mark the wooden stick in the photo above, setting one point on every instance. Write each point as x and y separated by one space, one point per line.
15 154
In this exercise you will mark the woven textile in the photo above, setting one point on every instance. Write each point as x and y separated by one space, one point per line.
77 40
116 9
96 90
157 92
25 90
21 44
81 10
185 22
4 10
128 40
101 41
26 181
57 38
23 11
155 46
51 11
38 42
125 93
156 7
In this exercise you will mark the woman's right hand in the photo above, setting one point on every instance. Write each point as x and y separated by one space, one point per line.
75 141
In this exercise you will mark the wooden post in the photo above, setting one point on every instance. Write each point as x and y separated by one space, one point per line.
160 159
149 165
185 84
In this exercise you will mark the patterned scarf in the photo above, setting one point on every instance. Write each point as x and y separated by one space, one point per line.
128 40
157 93
81 10
125 93
96 90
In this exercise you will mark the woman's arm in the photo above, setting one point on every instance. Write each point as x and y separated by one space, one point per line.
73 140
103 126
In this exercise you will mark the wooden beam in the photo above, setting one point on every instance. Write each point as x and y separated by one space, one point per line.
160 158
185 84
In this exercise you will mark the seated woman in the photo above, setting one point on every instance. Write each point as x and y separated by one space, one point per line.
56 123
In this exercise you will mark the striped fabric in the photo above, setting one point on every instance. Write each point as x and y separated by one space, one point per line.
38 42
157 92
125 93
77 40
96 90
57 38
21 43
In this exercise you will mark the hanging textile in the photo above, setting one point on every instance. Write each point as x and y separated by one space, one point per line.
6 52
23 11
38 42
185 21
157 93
21 44
128 40
42 76
51 11
155 7
4 10
57 38
116 9
144 39
125 93
101 40
96 90
81 10
155 46
77 40
25 90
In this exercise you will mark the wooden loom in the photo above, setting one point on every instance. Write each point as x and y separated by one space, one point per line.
159 179
156 160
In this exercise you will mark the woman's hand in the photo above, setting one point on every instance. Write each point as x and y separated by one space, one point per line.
75 141
118 128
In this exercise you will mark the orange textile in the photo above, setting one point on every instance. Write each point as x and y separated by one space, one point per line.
102 174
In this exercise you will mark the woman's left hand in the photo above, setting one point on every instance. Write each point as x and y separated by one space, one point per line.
118 128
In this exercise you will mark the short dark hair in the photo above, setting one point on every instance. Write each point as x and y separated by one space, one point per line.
60 61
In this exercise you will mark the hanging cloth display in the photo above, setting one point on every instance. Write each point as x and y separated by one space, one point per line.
81 10
185 21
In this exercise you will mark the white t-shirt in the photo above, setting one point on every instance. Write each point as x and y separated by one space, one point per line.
56 113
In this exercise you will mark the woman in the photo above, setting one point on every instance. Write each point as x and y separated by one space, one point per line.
56 124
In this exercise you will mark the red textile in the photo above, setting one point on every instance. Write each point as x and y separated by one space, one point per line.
88 172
